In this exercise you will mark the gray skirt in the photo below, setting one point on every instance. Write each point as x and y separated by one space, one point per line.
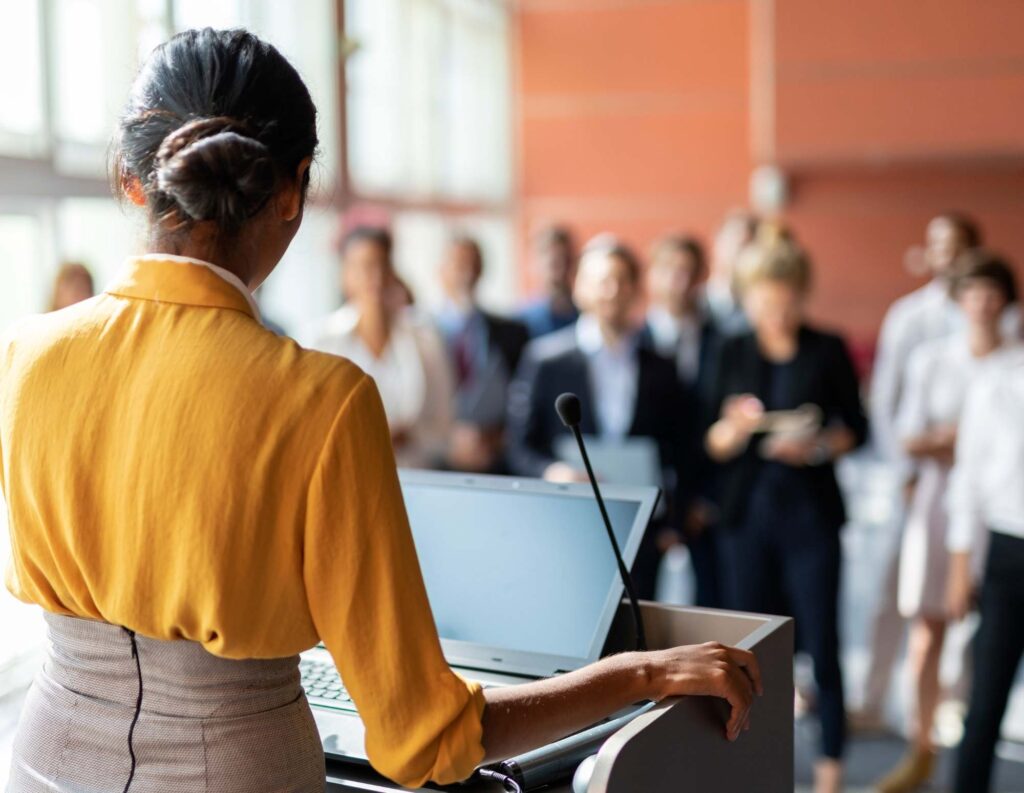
206 723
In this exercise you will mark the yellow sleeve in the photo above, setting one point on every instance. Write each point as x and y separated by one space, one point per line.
369 605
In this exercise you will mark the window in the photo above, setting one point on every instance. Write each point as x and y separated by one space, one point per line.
21 80
429 131
428 99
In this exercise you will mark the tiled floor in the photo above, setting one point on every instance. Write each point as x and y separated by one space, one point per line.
865 547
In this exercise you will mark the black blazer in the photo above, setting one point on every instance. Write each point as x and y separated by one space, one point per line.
555 364
699 391
823 375
506 337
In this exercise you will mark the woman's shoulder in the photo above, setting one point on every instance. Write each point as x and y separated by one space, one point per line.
830 342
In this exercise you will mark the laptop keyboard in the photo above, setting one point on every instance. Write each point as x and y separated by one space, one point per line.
322 683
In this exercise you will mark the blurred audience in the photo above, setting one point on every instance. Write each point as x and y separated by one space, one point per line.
72 284
405 356
626 389
728 348
926 313
938 374
679 327
554 262
733 235
485 351
789 407
986 508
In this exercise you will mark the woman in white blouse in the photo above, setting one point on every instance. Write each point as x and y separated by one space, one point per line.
937 378
986 499
403 354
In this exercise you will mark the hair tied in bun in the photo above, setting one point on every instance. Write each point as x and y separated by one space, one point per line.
213 169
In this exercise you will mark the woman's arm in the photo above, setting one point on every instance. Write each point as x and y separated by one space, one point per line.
520 718
729 436
937 443
918 438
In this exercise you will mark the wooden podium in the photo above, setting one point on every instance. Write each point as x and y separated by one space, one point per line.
680 745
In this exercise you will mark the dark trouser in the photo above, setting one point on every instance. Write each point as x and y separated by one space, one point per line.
998 646
704 556
645 566
785 561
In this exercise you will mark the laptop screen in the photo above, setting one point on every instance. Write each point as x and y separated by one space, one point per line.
523 570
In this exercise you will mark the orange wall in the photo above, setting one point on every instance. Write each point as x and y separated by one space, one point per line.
644 116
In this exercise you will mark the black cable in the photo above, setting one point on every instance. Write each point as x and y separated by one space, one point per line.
627 579
510 785
138 708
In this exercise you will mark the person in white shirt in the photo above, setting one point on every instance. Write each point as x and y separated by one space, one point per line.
404 355
924 314
986 502
938 375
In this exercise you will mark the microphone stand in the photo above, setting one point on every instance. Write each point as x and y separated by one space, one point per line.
627 580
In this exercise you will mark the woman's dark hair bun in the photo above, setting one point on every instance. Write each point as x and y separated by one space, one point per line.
213 170
216 121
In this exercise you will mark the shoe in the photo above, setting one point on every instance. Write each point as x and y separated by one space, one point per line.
913 771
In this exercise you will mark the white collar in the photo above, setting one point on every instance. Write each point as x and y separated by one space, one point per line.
227 275
591 341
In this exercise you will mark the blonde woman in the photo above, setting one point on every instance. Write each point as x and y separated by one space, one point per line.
781 505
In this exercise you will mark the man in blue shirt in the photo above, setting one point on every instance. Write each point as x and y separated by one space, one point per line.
554 258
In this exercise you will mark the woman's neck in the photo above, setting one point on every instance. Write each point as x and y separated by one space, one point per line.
778 347
374 327
983 339
200 245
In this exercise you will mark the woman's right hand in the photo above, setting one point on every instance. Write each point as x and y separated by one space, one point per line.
740 418
522 717
743 413
712 670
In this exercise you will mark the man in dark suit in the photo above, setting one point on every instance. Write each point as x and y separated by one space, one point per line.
626 389
485 351
679 326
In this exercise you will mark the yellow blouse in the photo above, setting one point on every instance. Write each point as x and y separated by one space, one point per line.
173 467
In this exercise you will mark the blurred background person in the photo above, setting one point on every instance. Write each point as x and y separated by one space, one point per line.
554 262
938 374
679 327
72 284
485 350
986 522
733 235
626 389
677 322
926 313
405 357
781 505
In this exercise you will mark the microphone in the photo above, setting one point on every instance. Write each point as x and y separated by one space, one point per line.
570 412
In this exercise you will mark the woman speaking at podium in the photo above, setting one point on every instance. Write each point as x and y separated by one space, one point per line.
194 500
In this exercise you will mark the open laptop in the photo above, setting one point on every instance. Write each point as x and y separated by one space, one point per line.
521 579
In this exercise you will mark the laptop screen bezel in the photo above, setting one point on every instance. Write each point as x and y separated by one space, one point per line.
527 663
